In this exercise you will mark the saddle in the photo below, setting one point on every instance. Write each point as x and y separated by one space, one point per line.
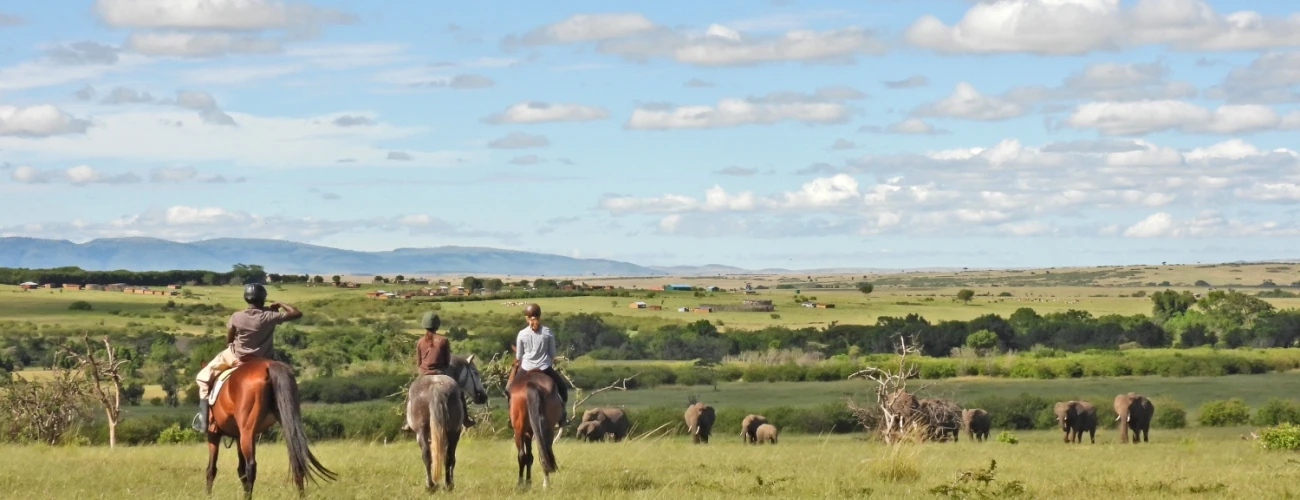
219 383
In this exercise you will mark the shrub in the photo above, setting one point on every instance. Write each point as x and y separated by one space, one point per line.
898 465
1285 437
352 389
1169 415
1007 437
79 305
1277 411
1224 413
178 435
1023 412
776 316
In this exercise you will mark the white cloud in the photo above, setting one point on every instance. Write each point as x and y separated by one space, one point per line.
176 135
39 121
635 37
190 223
79 175
1204 225
181 44
519 140
124 95
910 82
1109 81
589 27
82 53
914 126
216 14
967 102
821 108
1081 26
540 112
1142 117
1271 77
1007 188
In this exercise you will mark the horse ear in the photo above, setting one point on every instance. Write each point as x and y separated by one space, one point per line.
470 359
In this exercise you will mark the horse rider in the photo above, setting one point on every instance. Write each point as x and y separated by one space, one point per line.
433 357
535 347
248 334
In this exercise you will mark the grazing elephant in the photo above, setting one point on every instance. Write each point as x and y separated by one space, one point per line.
611 421
977 423
765 432
749 428
1133 412
1076 417
903 407
591 431
942 418
699 422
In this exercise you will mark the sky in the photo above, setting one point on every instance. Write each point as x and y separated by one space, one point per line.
756 133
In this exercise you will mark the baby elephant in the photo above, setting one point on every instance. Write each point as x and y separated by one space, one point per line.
766 432
977 423
608 421
591 431
749 428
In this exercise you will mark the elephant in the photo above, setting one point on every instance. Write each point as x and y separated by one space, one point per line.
749 427
977 423
765 432
941 418
1076 417
1133 412
611 421
591 431
699 422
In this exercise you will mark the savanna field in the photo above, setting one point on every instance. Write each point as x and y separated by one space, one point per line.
1220 370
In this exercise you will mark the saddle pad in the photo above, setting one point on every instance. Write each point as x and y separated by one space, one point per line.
216 388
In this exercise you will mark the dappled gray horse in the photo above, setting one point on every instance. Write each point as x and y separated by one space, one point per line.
434 412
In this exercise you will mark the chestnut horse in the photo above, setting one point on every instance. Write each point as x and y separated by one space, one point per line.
259 393
535 410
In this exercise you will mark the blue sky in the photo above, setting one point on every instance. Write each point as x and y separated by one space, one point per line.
802 134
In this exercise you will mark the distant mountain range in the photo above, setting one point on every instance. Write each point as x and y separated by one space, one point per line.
150 254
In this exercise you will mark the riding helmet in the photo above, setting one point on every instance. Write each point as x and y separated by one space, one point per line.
254 293
431 321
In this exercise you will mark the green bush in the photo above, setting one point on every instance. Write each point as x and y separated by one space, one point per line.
1007 437
79 305
178 435
1285 437
352 389
1169 415
1023 412
1277 411
1224 413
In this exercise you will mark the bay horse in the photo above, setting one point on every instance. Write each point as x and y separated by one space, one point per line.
259 393
433 410
535 409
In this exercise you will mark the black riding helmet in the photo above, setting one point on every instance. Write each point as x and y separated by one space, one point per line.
255 293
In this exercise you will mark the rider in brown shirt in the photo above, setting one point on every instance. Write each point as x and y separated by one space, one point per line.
433 357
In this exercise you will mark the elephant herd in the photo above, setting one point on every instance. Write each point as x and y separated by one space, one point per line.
599 423
939 419
1133 412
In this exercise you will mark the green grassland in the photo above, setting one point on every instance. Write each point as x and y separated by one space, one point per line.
1190 391
851 306
1189 463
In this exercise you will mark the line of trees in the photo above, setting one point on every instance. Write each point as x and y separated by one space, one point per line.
238 275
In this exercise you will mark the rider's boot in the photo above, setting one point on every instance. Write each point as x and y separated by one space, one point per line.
201 420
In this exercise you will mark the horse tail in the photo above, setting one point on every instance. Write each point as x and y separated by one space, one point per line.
437 431
541 429
302 463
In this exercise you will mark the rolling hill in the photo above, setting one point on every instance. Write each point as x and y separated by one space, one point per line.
150 254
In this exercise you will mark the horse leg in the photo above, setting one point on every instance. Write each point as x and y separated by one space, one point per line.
214 446
426 454
247 442
520 455
453 437
528 459
242 469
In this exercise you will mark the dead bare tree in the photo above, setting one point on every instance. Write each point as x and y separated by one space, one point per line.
618 385
45 410
894 413
105 372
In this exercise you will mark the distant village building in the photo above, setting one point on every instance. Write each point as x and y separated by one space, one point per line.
28 285
678 288
71 286
637 305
